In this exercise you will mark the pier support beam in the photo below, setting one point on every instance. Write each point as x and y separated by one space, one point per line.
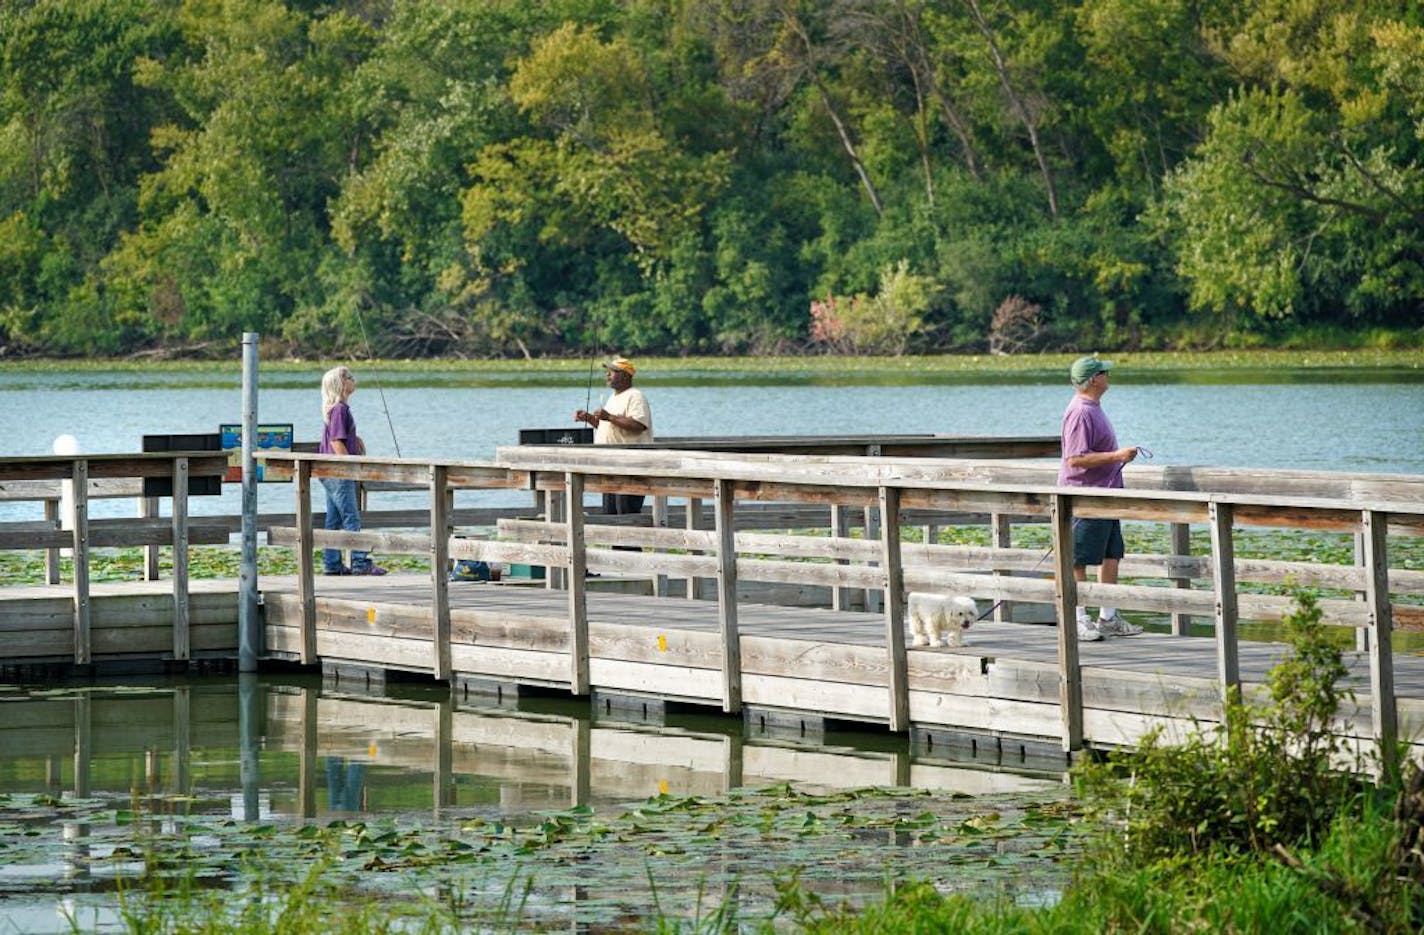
1223 573
1381 624
897 664
1070 672
727 597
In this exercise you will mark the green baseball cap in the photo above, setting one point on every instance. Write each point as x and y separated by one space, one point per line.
1085 368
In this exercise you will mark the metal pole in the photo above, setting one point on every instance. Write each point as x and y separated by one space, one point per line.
249 633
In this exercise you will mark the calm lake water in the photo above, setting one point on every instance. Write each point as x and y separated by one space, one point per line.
90 779
1357 420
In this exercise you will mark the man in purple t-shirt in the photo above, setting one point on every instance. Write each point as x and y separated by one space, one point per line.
1091 458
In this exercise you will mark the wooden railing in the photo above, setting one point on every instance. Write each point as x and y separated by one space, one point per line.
34 479
1371 508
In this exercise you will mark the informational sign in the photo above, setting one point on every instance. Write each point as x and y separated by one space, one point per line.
276 437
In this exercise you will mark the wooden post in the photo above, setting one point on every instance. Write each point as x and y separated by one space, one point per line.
1065 592
578 576
873 523
51 515
693 520
840 529
439 570
1223 574
727 596
1001 537
306 582
148 509
181 637
554 577
1373 526
79 521
894 606
1181 536
660 520
1362 634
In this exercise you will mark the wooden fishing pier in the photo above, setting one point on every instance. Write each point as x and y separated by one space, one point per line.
771 585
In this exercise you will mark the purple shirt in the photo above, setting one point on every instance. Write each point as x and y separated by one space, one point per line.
1086 429
340 426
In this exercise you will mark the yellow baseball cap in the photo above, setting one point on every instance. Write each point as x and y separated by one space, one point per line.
621 363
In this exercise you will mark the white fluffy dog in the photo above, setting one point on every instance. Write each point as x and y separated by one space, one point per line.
936 617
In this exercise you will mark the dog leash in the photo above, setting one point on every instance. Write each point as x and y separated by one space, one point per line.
1000 603
1142 452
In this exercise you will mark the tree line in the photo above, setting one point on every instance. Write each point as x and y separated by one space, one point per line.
487 178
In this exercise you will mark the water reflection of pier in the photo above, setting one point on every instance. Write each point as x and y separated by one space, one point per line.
262 748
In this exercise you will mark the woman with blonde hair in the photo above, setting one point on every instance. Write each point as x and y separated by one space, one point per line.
338 437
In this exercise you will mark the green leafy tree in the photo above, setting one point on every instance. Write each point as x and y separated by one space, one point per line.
74 147
1303 202
602 180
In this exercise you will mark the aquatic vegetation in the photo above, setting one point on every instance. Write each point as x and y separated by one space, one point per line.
674 857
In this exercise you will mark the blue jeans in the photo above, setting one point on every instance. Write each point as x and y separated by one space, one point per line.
341 513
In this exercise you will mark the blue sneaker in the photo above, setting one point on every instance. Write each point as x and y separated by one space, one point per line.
465 570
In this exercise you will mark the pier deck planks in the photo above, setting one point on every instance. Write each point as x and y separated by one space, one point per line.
822 662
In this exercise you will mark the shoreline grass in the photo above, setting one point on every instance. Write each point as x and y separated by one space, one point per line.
1403 359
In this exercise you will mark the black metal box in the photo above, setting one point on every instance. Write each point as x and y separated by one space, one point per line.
197 486
570 436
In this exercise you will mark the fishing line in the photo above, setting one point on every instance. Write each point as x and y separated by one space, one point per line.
360 319
1142 453
588 396
1002 601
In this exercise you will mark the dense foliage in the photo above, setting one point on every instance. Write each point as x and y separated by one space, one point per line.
485 178
1272 774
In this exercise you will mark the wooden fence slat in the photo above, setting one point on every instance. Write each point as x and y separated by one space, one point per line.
1223 550
1382 701
306 582
694 521
51 515
181 636
840 530
148 509
894 609
725 504
79 521
578 577
1001 537
440 503
1180 536
871 518
1070 674
660 521
555 574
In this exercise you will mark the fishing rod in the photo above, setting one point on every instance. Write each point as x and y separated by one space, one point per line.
1143 452
380 390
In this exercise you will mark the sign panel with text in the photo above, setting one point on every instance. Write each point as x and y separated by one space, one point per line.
276 436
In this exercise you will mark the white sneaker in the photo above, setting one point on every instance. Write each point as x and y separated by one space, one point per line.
1117 626
1088 633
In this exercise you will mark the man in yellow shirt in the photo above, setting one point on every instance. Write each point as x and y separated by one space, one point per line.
625 419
